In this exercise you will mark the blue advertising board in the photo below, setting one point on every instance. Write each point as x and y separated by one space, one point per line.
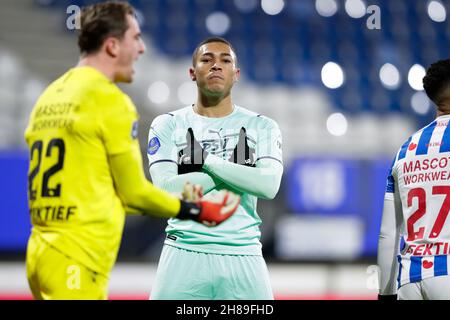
340 187
14 218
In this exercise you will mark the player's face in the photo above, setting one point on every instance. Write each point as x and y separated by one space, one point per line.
215 71
131 47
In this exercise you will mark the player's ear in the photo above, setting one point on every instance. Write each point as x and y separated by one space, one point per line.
237 75
192 74
112 47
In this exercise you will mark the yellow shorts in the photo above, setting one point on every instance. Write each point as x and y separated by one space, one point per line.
53 275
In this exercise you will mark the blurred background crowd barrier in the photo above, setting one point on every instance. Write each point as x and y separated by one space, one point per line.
343 79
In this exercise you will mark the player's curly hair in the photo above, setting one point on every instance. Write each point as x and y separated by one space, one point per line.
437 79
100 21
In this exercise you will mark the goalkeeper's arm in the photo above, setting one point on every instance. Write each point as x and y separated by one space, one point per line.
139 195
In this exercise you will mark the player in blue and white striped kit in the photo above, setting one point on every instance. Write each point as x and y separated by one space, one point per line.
416 206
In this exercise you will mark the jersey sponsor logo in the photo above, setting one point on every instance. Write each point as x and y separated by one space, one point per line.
223 145
134 130
428 249
153 146
54 116
426 164
426 177
52 213
416 170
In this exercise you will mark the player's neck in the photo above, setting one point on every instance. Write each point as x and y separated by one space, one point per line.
96 62
440 113
214 108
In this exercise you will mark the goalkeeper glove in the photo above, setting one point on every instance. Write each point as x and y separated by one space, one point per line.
211 209
192 157
242 153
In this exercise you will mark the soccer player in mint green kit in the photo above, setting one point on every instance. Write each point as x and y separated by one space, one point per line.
218 145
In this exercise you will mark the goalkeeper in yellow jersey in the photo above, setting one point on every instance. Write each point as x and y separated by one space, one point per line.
85 168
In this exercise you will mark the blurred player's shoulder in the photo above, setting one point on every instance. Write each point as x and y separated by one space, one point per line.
83 91
419 142
181 112
163 121
87 82
95 89
246 112
167 121
420 131
85 78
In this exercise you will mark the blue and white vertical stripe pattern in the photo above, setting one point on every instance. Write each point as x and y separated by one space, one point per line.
414 269
422 143
430 141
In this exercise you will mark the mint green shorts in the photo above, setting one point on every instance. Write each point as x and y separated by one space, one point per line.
186 275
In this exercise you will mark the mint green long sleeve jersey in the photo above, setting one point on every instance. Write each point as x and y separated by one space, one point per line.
239 235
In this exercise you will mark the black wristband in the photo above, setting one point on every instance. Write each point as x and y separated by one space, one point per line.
387 297
188 210
188 168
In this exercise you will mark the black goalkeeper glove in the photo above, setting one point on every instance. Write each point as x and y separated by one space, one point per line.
192 157
387 297
242 153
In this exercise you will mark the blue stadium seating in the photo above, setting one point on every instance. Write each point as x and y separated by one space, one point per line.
292 47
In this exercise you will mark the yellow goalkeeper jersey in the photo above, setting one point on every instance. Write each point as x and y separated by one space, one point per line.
79 121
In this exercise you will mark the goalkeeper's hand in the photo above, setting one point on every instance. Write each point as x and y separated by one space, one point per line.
211 210
192 157
191 192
